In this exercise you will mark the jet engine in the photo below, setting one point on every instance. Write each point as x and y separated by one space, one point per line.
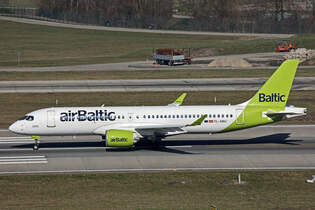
119 138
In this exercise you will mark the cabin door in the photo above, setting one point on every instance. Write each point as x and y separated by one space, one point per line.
240 118
51 119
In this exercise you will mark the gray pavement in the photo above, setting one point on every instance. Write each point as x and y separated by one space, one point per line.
149 64
259 60
268 147
300 83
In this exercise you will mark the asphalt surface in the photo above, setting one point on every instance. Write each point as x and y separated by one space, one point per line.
259 60
300 83
262 148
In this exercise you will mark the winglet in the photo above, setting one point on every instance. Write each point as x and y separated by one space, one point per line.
199 121
179 100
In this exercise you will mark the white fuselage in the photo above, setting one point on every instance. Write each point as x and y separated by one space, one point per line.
96 120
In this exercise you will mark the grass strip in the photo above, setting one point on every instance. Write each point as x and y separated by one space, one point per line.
166 190
55 46
47 46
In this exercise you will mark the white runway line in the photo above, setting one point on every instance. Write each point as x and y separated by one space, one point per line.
23 160
185 146
158 169
16 140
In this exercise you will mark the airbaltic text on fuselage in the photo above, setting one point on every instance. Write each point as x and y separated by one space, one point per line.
83 115
274 97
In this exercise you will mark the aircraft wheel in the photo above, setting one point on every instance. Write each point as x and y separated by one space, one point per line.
36 145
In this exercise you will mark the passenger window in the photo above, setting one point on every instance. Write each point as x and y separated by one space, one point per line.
227 116
209 115
181 116
118 116
165 116
137 117
231 116
148 116
123 117
157 116
161 116
143 116
197 115
177 116
152 116
173 116
169 116
194 116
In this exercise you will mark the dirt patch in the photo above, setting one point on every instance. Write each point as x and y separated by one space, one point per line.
230 62
204 52
309 62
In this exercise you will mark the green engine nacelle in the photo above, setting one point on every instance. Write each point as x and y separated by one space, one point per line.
119 138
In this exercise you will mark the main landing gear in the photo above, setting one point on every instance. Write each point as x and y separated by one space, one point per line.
157 143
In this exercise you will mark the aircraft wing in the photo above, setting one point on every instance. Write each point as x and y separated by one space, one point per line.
150 129
179 100
167 130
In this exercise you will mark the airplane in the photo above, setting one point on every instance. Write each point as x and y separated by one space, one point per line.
124 126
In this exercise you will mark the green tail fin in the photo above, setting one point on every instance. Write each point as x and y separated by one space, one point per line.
271 97
276 90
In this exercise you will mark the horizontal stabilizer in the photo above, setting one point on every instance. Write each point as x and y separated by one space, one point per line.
288 112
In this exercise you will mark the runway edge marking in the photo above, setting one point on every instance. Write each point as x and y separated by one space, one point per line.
161 169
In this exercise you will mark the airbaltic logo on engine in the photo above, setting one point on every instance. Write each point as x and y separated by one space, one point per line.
116 139
274 97
83 115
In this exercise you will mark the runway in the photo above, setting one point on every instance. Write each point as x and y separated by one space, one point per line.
218 84
262 148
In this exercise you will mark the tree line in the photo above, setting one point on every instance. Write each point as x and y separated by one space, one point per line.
275 16
136 13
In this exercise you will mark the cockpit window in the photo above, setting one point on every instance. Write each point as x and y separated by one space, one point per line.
30 118
27 117
23 118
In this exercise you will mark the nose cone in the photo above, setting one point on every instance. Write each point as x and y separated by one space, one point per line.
14 128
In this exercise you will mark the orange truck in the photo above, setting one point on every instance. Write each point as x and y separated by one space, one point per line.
285 46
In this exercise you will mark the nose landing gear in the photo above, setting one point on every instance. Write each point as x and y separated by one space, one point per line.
36 143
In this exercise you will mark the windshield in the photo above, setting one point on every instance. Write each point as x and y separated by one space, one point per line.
27 117
30 118
23 118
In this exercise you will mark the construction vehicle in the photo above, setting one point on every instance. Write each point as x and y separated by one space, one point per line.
285 46
171 57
